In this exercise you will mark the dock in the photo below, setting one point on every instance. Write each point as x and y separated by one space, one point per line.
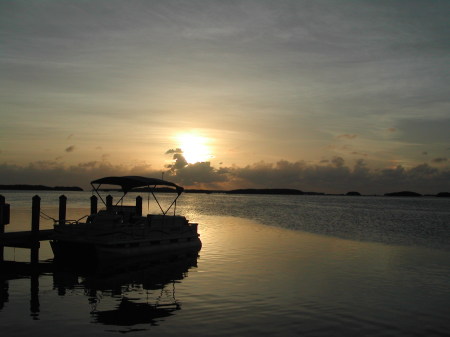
30 239
26 239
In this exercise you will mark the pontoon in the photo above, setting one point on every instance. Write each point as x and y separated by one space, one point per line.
122 231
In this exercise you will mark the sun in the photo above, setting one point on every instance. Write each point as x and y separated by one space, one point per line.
195 148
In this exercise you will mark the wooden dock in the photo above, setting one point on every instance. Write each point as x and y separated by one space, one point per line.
26 239
31 239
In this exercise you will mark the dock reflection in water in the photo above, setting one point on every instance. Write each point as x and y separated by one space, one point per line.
121 293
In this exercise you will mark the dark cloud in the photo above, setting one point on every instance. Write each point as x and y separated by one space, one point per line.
55 173
199 174
193 174
71 148
338 161
283 174
172 151
439 160
347 136
338 178
179 161
334 176
392 129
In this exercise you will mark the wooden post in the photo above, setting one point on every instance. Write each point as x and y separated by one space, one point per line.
4 211
94 204
62 209
109 201
4 294
2 227
35 217
138 205
34 256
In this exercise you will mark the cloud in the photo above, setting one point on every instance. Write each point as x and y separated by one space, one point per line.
71 148
392 130
439 160
172 151
201 173
179 161
193 174
55 173
332 176
347 136
338 161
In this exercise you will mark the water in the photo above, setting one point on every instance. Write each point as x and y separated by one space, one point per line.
269 266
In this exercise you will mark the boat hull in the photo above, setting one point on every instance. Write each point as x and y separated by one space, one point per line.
86 252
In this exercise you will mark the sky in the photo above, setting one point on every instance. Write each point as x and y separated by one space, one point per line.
325 95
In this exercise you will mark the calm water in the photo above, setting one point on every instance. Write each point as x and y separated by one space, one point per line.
269 266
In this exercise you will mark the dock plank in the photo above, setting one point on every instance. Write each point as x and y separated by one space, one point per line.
25 239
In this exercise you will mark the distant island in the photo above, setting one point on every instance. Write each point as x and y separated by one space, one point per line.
39 188
354 193
403 194
286 191
274 191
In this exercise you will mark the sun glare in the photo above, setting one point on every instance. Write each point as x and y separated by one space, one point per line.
195 148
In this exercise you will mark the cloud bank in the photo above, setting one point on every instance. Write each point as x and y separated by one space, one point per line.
333 176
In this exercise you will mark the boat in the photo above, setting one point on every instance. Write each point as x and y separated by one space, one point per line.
121 231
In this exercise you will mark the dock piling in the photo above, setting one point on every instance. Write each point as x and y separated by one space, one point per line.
2 226
138 205
94 204
35 214
35 218
62 209
109 201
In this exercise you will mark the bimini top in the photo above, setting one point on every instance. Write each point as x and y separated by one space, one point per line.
127 183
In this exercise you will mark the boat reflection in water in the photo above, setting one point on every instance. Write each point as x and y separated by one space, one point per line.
142 290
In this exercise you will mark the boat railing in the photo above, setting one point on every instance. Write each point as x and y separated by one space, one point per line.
67 222
119 209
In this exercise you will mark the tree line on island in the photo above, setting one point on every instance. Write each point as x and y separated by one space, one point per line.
279 191
23 187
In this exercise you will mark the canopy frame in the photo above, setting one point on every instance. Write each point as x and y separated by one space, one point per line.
128 183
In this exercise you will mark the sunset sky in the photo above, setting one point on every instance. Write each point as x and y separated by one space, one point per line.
326 96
